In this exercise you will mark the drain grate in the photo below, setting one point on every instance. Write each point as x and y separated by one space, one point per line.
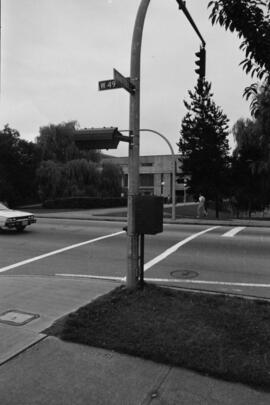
184 274
18 318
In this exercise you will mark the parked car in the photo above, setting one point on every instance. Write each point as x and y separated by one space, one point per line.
12 219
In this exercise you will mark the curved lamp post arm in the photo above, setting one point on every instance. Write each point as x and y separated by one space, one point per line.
173 166
173 163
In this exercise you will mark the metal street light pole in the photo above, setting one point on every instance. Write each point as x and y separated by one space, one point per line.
133 165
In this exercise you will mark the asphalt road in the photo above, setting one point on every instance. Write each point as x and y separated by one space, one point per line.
234 260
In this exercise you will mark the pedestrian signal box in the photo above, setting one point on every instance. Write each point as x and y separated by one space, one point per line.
148 215
99 138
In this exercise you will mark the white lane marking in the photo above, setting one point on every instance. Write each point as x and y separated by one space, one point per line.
55 252
232 232
186 281
173 248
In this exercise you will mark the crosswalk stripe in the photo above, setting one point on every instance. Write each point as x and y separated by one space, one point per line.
232 232
34 259
175 247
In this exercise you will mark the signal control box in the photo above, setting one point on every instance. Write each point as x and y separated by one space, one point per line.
148 215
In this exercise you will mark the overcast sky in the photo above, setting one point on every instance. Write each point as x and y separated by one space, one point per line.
54 53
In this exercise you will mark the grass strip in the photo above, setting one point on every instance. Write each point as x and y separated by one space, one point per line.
218 335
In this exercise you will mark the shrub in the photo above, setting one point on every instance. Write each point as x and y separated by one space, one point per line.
85 202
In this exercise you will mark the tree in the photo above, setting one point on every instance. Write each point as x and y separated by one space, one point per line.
261 104
65 171
71 179
251 157
18 162
83 178
110 181
250 19
78 178
204 145
250 174
51 180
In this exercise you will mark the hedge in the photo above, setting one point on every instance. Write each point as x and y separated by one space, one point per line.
86 202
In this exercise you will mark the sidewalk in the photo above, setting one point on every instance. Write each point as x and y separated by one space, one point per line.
41 370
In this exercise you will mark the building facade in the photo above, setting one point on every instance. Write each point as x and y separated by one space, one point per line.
156 175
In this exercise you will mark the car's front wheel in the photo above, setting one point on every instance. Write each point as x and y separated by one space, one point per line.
20 228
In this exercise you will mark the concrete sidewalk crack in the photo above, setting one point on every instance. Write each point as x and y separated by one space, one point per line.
156 387
22 350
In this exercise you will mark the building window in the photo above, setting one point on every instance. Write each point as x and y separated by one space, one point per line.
146 180
125 180
147 164
147 192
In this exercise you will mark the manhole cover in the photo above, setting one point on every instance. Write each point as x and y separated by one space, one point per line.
184 274
15 317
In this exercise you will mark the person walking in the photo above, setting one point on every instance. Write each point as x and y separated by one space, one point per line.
201 211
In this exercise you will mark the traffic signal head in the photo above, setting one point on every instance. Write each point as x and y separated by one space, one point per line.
200 62
98 138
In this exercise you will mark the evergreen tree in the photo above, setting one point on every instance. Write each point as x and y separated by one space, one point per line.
204 145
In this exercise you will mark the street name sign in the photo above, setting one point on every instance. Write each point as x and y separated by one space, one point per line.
119 81
108 85
124 82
